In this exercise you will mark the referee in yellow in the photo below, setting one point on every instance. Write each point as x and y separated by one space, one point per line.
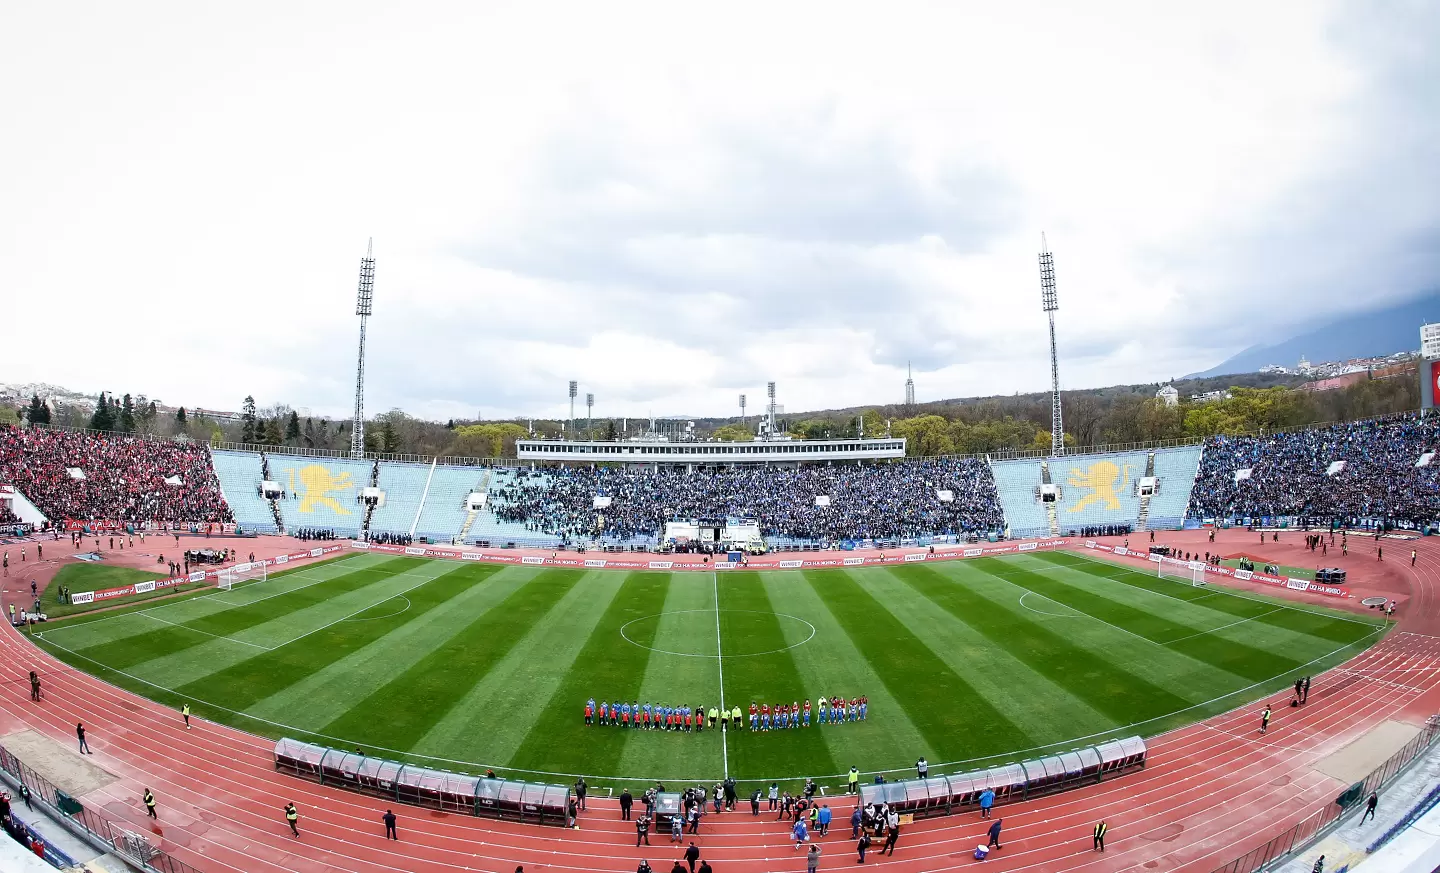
714 714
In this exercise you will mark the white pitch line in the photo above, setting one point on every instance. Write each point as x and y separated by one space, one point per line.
1223 626
206 633
720 662
357 612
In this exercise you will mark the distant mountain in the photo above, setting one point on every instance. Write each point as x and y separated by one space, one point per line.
1383 332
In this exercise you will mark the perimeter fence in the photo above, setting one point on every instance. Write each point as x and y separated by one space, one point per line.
1321 821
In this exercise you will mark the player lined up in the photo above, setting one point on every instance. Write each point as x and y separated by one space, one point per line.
656 717
764 717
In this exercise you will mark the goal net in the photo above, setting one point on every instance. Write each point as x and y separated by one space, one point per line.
240 574
1185 571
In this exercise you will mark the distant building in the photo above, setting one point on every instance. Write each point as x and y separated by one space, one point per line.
1210 397
1276 369
1304 368
1168 396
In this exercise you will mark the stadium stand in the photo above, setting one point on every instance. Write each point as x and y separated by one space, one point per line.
240 476
1018 485
444 512
1175 471
404 487
90 476
322 492
1290 473
878 502
1097 490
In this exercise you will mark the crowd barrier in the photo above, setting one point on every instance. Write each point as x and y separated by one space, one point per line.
765 562
942 795
531 802
134 847
1322 821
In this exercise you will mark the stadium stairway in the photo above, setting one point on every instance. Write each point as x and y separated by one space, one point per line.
404 487
444 513
1145 498
240 474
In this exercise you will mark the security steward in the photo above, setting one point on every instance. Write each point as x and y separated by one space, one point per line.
149 799
1100 829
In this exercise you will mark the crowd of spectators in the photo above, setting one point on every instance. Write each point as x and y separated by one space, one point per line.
1289 473
878 501
122 478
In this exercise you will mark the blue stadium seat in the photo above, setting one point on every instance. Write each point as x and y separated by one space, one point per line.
404 487
322 492
1017 483
1175 469
240 477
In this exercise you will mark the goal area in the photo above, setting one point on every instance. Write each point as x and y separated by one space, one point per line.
1182 571
240 574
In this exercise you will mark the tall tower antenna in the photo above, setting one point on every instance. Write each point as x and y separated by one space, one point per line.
363 307
574 386
589 409
742 410
1050 303
909 386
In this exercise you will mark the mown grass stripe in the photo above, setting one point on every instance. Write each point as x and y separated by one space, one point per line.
749 624
607 665
258 678
521 684
956 721
1048 710
828 664
1120 693
401 710
168 639
1176 635
686 626
1301 620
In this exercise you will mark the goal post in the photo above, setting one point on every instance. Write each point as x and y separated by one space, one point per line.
240 574
1183 571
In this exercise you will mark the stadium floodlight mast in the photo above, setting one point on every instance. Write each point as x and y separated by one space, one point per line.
570 424
363 307
770 408
1050 303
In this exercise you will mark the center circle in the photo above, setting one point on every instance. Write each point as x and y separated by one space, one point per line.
692 633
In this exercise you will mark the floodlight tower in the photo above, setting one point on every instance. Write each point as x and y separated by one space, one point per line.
909 386
1049 303
363 308
770 409
570 423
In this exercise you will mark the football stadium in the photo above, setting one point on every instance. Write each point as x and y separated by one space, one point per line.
1088 626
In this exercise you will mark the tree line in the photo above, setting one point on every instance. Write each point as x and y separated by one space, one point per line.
1250 403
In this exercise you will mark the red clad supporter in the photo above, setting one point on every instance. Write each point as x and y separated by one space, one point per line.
124 476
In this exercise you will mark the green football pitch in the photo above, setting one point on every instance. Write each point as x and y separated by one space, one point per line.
471 666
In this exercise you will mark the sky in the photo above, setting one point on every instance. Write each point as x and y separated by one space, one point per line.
676 203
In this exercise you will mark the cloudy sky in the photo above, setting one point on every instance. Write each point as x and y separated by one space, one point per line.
674 205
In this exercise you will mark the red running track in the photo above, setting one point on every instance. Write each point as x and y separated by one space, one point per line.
1212 791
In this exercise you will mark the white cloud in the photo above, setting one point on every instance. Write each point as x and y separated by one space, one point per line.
675 205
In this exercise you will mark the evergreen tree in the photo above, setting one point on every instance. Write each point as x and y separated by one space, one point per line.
372 442
127 415
150 411
389 440
271 435
322 434
249 433
610 431
38 413
103 417
309 433
292 428
180 420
